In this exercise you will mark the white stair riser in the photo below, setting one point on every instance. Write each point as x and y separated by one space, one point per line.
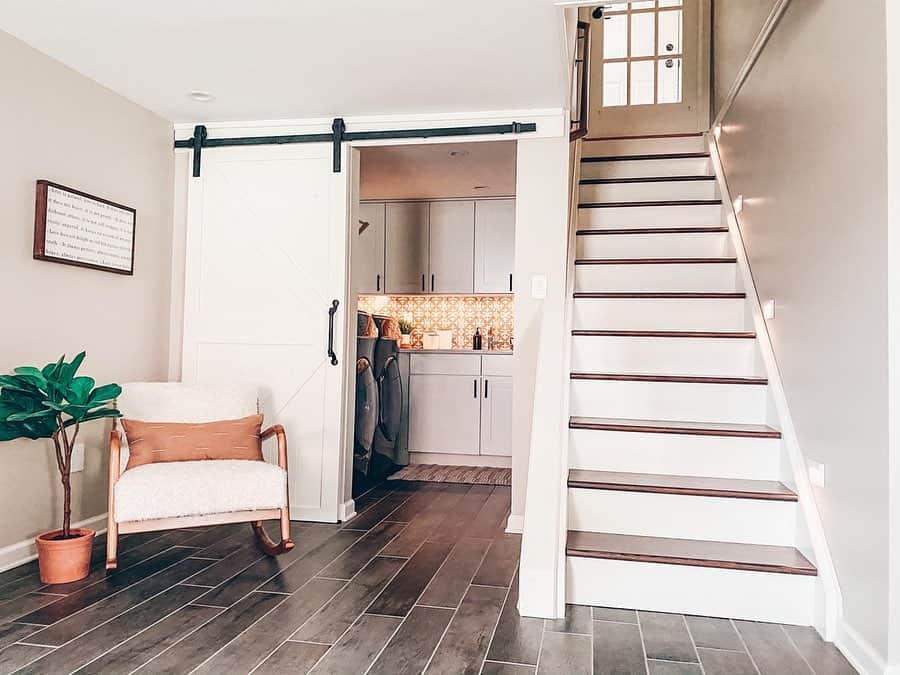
736 403
650 216
642 192
681 589
712 245
720 277
699 166
746 521
714 314
682 455
670 356
642 146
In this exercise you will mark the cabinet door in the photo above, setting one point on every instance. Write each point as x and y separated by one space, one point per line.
368 254
452 246
406 247
495 240
496 416
444 413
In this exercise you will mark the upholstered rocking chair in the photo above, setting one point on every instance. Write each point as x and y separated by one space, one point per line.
163 495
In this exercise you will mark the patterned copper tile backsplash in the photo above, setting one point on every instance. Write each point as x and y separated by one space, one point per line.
460 313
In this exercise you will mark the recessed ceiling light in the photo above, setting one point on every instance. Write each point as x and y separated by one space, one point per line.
202 96
458 153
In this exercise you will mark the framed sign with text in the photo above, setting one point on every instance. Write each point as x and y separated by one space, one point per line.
75 228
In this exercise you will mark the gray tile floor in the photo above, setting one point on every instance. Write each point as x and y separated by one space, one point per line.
423 579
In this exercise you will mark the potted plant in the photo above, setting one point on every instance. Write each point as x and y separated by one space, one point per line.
406 329
53 403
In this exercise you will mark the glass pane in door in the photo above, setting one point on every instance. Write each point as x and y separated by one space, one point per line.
615 83
643 27
669 81
615 37
641 82
670 32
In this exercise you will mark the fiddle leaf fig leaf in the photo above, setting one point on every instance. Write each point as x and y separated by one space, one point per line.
105 393
79 389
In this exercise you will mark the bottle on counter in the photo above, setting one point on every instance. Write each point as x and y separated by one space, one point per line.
476 340
492 343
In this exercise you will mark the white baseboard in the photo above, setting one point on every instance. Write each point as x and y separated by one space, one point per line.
347 510
860 652
447 459
515 524
25 551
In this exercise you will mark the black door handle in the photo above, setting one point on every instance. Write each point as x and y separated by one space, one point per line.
475 388
485 388
423 283
510 282
432 283
378 283
331 311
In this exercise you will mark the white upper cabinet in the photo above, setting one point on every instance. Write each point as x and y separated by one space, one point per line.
495 236
368 254
451 247
406 247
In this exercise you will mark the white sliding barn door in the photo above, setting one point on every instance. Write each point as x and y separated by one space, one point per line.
266 255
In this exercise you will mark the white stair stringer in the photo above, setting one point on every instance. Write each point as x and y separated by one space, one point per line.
661 354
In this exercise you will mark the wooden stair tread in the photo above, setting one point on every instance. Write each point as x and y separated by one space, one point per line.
697 486
673 427
697 553
661 202
688 379
669 295
650 157
743 335
654 261
645 179
652 230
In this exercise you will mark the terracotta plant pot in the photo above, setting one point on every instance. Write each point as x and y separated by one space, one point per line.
64 560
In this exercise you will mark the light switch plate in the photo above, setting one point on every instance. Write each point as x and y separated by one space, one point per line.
816 472
768 309
77 458
539 286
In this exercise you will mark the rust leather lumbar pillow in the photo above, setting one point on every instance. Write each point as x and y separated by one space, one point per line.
150 442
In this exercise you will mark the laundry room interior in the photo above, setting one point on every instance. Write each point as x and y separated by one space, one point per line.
432 265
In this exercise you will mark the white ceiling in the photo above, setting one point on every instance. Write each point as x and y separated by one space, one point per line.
486 169
279 59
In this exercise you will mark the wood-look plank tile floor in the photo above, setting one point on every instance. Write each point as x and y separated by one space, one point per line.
423 579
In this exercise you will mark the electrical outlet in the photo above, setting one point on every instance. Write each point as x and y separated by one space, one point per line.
78 458
816 472
539 286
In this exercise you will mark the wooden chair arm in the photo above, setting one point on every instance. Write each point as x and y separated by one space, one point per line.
278 431
115 455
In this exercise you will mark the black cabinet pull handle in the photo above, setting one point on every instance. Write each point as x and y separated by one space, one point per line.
510 283
423 283
485 388
475 388
432 283
331 311
378 283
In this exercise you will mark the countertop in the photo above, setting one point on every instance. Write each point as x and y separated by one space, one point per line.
501 352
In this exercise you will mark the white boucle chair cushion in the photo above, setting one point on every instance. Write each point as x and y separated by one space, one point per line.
176 489
178 402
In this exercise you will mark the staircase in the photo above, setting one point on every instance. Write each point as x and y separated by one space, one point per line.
675 494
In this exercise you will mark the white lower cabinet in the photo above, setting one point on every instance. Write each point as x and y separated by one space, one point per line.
460 404
444 413
496 416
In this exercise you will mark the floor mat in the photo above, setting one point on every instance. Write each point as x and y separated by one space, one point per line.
438 473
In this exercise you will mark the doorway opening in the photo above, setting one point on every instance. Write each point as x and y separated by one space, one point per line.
432 239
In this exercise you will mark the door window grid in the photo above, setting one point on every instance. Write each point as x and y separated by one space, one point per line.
634 73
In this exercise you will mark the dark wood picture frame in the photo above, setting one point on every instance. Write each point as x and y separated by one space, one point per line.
40 228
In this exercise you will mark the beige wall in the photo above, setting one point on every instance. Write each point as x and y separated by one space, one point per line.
805 144
736 24
66 128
